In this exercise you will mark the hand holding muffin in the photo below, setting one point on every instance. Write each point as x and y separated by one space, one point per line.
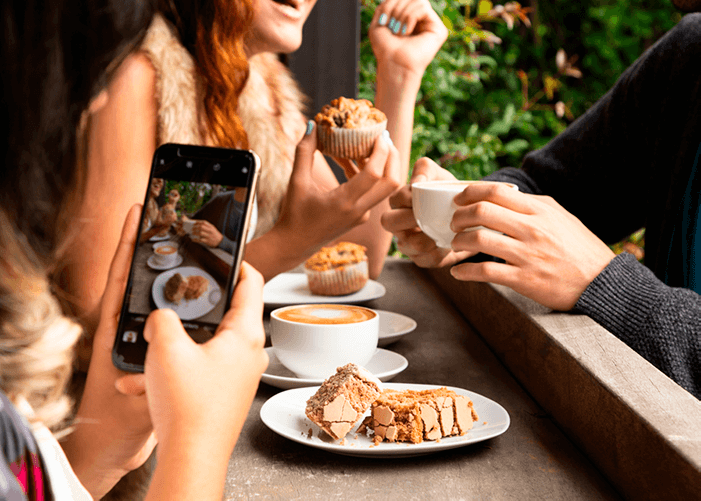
313 214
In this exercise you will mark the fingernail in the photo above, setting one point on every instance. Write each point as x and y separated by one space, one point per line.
397 26
310 127
392 22
383 20
387 139
404 28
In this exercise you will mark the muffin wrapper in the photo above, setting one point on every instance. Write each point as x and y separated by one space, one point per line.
354 144
339 281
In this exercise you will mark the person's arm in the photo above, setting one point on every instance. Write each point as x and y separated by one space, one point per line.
121 143
112 431
403 53
317 211
661 323
198 413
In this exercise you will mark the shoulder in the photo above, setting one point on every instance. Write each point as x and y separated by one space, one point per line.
135 76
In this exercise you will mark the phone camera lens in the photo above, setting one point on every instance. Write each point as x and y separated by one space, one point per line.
245 170
217 167
188 164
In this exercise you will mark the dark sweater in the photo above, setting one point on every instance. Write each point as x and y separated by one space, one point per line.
626 164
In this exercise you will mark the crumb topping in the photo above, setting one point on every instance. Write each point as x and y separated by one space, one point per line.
349 114
337 256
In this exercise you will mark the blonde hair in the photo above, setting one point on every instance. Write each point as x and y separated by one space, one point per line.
36 339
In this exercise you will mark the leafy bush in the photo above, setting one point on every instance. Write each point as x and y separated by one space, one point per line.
511 77
503 83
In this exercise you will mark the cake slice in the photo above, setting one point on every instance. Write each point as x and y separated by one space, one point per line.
415 416
175 288
196 286
342 400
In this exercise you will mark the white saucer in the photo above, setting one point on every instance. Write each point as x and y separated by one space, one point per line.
384 365
284 414
153 265
393 326
157 238
292 288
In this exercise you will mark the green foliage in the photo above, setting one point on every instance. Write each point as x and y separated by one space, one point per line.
484 104
192 195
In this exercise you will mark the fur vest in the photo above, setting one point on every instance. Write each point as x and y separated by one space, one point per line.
271 108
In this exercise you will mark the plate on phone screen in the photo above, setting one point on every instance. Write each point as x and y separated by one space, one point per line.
187 309
292 288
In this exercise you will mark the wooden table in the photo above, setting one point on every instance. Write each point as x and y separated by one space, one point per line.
533 459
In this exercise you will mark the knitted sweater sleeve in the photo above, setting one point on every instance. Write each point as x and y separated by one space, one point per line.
661 323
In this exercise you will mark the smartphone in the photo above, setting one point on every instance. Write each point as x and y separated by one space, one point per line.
191 240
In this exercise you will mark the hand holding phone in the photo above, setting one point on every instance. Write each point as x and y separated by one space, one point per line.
170 268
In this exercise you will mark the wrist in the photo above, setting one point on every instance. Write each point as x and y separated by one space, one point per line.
85 460
274 252
393 74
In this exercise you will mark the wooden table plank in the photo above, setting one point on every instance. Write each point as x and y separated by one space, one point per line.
638 426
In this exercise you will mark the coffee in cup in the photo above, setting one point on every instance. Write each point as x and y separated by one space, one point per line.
434 207
312 340
165 254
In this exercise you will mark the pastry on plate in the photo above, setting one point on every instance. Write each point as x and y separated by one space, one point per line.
342 400
337 270
174 289
196 286
347 128
414 416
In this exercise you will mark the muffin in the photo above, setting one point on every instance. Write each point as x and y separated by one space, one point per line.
347 128
337 270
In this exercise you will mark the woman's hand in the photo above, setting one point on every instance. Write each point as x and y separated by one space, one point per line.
400 221
206 233
112 432
313 215
406 33
550 255
199 394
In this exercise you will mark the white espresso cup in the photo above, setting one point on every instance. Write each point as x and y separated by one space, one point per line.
165 254
434 207
187 226
312 340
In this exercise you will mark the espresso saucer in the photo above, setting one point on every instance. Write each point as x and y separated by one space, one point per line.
154 266
384 365
393 326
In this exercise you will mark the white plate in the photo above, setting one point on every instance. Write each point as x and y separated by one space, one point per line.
156 238
384 364
187 310
291 288
393 326
151 262
284 414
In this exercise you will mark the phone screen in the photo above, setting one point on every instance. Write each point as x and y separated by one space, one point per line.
190 244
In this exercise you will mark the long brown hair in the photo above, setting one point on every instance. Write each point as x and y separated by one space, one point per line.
57 56
213 31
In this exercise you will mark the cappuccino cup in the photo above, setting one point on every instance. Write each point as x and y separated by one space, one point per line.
165 254
434 207
312 340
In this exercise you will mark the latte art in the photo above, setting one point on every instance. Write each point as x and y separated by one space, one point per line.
326 314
